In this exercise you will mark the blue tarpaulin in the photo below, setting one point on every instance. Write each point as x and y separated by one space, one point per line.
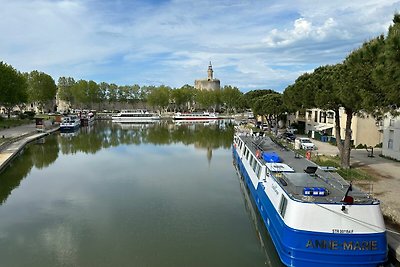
271 157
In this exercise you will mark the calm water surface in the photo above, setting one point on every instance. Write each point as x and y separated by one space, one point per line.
130 195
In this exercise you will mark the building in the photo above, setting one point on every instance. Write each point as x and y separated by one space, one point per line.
317 122
391 137
208 84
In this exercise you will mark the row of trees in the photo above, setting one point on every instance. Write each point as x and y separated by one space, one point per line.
18 89
89 94
367 81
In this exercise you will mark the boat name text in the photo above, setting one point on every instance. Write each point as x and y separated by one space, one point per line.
346 245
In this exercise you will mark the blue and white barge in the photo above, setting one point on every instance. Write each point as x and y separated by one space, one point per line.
70 123
314 216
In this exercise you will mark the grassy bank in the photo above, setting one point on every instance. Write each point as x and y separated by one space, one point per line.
8 123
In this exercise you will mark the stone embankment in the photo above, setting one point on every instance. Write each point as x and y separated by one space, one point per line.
13 140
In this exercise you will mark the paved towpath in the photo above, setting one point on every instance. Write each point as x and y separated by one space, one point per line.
12 140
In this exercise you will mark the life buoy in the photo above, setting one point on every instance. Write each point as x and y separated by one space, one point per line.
258 153
308 154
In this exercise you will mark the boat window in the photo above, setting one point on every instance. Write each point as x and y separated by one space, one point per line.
251 161
258 171
247 155
282 206
254 164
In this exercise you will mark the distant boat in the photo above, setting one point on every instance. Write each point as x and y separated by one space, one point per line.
70 123
199 116
135 116
87 118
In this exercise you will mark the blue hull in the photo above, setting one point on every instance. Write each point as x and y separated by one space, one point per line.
69 128
306 248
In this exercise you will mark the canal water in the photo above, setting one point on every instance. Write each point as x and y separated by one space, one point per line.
130 195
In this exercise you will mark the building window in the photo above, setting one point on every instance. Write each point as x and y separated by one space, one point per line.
316 116
309 115
322 117
390 144
390 141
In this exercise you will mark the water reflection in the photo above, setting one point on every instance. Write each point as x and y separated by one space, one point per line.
106 134
95 198
271 255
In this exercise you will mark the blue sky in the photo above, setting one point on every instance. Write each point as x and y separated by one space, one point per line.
252 44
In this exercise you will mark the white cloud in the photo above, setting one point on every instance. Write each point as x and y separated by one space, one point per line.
251 43
302 30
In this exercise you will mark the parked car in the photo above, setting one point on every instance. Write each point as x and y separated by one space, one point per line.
305 143
290 137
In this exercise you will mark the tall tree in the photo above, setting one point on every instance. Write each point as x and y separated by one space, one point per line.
271 107
251 96
13 87
387 72
42 89
231 97
65 89
159 97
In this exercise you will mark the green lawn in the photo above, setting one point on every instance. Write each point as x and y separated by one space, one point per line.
8 123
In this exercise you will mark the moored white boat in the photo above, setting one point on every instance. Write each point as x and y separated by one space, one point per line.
314 217
136 116
70 123
87 118
199 116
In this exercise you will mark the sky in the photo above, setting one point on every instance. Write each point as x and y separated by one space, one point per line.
252 44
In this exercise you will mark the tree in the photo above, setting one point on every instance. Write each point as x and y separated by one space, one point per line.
80 93
41 88
251 96
112 95
159 97
65 85
231 97
103 89
93 93
205 99
271 107
387 71
182 97
13 87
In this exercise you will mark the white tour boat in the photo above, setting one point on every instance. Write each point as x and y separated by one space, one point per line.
199 116
135 116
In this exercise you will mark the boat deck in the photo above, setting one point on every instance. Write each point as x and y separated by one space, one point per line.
297 182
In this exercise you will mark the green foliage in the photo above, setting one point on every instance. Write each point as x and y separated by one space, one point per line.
251 96
13 87
65 85
41 88
204 99
232 98
183 96
387 72
159 97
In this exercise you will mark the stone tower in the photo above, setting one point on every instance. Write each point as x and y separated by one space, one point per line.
210 72
208 84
